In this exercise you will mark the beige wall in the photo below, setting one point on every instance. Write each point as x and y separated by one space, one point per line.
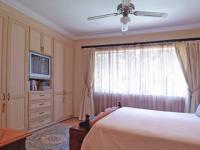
78 73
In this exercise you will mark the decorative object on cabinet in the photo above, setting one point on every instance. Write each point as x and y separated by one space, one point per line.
39 85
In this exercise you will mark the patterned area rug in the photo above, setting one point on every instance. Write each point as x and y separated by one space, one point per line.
52 138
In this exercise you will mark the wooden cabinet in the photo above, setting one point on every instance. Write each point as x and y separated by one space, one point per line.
3 49
47 44
16 39
58 81
35 40
12 72
13 140
77 136
40 42
16 74
40 108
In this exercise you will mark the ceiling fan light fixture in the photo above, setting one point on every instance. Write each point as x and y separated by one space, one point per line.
126 9
125 21
124 27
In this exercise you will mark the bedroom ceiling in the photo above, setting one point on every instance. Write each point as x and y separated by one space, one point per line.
69 17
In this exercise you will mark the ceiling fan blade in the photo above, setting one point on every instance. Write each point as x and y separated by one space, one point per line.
149 14
103 16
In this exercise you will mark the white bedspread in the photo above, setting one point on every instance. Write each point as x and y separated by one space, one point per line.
139 129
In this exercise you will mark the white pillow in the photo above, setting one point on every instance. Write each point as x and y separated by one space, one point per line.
198 111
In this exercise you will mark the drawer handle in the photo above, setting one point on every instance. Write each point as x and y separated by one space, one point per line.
41 113
42 95
41 104
41 121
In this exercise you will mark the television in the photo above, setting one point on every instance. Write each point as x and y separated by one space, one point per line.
39 66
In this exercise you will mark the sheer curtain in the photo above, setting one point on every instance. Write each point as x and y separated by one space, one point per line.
139 76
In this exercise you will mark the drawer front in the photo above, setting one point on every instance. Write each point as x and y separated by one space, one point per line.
40 104
40 121
38 114
40 95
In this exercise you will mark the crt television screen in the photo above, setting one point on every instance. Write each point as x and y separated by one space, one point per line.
40 64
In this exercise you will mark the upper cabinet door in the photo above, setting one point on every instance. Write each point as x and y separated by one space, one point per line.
48 45
17 53
3 50
58 67
40 42
35 40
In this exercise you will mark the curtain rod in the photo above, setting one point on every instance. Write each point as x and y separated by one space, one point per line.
148 42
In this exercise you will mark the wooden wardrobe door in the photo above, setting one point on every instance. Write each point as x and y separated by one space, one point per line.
58 81
35 40
68 68
48 45
17 63
58 107
58 67
3 49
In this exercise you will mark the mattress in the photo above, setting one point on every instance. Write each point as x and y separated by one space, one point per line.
140 129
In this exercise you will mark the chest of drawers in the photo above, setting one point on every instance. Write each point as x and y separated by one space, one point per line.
40 109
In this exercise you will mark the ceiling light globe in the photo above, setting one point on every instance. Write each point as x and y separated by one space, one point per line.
125 20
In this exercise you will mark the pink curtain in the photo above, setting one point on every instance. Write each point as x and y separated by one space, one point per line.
189 57
139 76
87 104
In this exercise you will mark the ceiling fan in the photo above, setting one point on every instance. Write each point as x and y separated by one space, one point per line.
125 8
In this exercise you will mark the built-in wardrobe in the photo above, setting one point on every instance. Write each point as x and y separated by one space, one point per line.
20 107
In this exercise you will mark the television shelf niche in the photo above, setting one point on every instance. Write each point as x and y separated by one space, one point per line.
39 85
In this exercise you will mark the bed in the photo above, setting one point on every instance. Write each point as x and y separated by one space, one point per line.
140 129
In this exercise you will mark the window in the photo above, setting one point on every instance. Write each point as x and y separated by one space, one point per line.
140 70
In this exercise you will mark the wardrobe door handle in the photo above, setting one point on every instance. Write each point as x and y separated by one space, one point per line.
8 96
4 96
3 108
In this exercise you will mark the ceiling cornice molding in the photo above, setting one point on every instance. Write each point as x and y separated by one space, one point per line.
34 15
137 32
